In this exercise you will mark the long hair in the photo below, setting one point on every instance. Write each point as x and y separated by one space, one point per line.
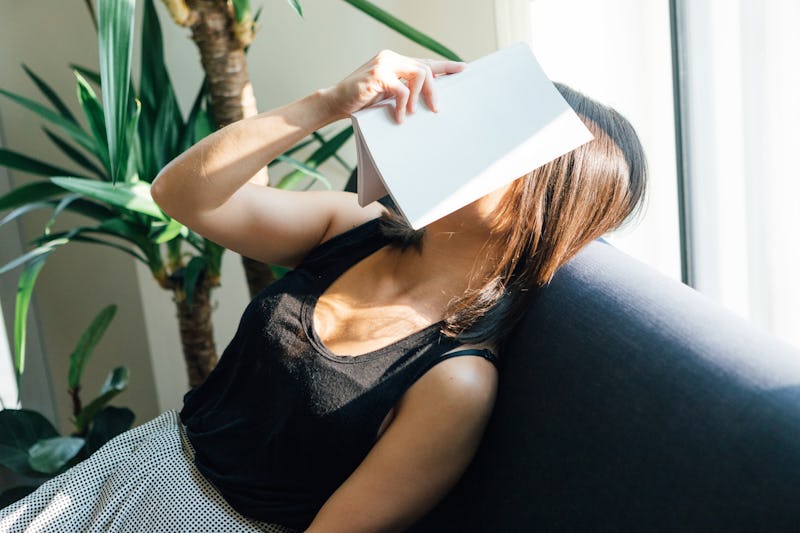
545 218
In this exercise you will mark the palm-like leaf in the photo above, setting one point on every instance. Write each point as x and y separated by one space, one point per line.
70 202
84 234
161 233
24 291
296 6
130 196
318 136
160 122
115 31
68 126
76 156
304 170
403 28
32 192
167 132
60 206
17 161
318 157
154 79
130 139
45 194
86 344
90 74
24 209
50 94
93 110
187 136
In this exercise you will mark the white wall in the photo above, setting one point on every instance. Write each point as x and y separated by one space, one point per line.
289 58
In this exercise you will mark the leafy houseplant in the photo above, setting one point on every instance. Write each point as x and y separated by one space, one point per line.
31 446
129 136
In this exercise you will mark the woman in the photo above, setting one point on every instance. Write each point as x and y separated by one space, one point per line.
356 390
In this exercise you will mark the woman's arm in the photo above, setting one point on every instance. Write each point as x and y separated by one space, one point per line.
207 187
424 451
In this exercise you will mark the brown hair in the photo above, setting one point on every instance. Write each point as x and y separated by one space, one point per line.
546 217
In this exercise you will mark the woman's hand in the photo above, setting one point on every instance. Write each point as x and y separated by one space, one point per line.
389 74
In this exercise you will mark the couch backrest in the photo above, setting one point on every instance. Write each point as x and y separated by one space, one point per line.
628 401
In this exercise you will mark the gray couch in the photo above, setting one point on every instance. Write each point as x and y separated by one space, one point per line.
629 402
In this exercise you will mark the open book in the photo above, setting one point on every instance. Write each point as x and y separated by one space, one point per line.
498 119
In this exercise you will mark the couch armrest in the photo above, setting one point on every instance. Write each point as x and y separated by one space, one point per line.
628 401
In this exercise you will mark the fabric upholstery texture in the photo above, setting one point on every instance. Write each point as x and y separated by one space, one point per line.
628 401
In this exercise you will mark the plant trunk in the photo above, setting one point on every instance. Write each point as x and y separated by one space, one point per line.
224 60
197 333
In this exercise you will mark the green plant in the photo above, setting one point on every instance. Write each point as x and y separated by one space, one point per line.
30 444
129 134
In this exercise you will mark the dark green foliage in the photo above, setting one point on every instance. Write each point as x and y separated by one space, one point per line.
30 444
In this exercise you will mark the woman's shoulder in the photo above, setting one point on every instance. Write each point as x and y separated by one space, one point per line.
349 216
346 234
466 373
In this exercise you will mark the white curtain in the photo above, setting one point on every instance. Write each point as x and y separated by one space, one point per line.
742 84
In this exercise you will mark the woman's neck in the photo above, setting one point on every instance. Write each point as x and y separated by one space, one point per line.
455 255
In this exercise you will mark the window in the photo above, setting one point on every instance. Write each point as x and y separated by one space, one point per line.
617 52
738 111
741 113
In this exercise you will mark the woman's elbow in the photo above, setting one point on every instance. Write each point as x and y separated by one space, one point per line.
162 192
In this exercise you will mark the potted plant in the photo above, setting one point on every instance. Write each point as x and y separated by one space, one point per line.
30 445
130 134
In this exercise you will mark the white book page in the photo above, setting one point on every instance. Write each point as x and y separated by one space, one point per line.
498 119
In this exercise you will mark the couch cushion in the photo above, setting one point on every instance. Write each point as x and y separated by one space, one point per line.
629 401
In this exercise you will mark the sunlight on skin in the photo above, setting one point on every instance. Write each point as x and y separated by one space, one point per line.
250 109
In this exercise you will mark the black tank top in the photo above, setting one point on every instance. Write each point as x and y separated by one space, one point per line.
281 422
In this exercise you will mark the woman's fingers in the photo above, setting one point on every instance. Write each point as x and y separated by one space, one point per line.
389 74
419 75
428 90
440 66
401 93
415 86
422 81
